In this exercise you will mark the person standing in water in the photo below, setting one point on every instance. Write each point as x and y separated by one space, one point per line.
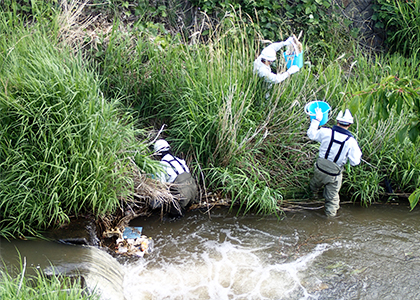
337 147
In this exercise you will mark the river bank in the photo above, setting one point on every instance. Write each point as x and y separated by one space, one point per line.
76 138
86 230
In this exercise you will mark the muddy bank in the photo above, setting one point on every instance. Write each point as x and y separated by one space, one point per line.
104 231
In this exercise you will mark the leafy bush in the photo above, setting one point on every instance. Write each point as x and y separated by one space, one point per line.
401 19
390 101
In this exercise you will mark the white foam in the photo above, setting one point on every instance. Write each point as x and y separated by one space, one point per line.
222 270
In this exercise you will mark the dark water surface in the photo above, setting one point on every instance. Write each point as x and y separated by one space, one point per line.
364 253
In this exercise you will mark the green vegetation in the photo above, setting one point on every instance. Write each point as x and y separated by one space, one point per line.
64 148
251 148
401 19
76 105
39 286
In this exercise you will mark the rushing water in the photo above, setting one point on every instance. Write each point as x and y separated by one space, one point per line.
364 253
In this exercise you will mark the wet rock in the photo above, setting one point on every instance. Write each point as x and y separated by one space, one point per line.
80 231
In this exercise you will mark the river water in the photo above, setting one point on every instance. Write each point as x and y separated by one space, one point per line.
364 253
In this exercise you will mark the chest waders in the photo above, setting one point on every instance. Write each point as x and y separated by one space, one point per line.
328 174
327 166
183 188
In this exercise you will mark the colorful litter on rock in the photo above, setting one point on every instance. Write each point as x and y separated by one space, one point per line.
132 242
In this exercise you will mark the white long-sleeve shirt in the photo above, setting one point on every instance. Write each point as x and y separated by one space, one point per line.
172 167
350 149
265 71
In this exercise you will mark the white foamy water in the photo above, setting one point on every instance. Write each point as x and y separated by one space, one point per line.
365 254
223 270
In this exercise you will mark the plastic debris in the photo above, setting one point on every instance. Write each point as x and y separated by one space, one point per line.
133 242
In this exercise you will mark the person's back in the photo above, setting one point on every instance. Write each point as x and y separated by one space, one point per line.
176 172
337 146
173 167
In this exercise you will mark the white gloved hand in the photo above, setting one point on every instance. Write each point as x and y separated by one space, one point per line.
318 114
289 41
293 69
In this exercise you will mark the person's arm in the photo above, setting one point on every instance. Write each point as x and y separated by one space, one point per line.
184 164
313 130
282 76
266 73
276 78
278 45
355 154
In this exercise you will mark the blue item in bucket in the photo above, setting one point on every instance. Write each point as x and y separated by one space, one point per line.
324 106
293 60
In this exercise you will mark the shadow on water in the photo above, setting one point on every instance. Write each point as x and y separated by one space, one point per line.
364 253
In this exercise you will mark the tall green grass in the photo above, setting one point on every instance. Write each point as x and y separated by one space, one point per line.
252 148
402 23
64 148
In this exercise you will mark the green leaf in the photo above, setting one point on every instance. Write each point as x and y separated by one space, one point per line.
354 105
289 15
369 102
414 198
388 79
327 4
385 113
402 134
347 22
413 133
392 97
399 105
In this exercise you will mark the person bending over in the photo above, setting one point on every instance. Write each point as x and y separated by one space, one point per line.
262 65
176 172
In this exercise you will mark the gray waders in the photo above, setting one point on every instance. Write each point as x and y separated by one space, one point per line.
329 175
184 188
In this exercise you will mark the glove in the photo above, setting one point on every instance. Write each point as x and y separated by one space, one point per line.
318 114
289 41
293 69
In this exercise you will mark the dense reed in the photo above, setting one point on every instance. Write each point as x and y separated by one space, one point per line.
252 148
64 148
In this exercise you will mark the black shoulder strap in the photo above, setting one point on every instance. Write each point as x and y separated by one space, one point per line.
170 162
337 156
